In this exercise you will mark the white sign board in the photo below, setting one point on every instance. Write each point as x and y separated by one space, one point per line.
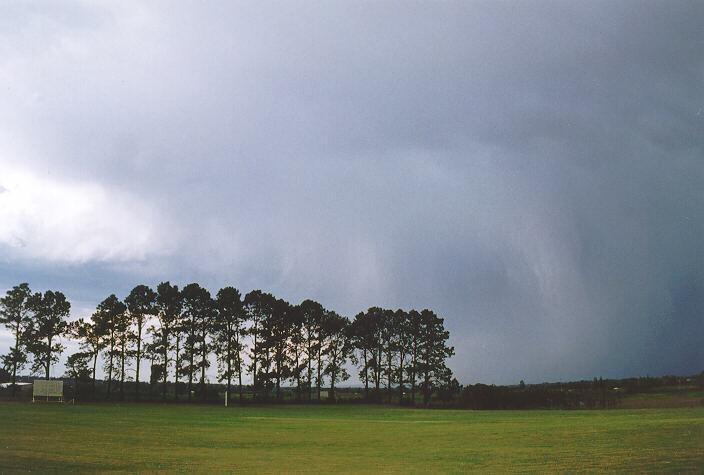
48 388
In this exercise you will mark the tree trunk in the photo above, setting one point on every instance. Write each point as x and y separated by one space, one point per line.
229 360
14 376
178 366
377 373
310 372
190 375
151 365
204 357
239 369
95 363
48 358
165 340
414 362
112 350
239 381
333 375
298 377
278 374
319 381
366 375
122 371
139 355
14 360
388 373
254 363
400 381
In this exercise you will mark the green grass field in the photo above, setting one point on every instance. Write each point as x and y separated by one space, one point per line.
350 438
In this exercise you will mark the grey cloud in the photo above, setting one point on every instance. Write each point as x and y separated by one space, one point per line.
530 170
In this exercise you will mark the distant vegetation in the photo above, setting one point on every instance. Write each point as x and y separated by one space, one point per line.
595 394
399 354
293 353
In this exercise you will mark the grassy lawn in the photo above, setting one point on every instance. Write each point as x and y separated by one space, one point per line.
354 438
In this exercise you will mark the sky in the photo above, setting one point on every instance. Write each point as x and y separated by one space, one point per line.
531 171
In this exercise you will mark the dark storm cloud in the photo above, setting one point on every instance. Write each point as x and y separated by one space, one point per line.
531 170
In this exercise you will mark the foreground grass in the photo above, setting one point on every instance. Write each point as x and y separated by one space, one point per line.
155 437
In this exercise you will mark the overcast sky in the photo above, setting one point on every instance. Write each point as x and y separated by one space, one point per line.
532 171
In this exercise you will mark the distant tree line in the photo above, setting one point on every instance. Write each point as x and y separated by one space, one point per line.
400 355
586 394
597 394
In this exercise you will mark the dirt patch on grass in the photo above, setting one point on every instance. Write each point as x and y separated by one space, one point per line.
661 402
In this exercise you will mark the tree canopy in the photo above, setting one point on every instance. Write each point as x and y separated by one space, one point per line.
307 346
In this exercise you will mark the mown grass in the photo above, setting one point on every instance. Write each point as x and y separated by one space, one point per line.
348 438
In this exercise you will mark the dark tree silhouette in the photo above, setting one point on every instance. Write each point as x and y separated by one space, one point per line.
77 369
91 335
433 352
312 313
111 313
279 325
388 337
335 331
266 341
414 344
229 331
15 314
378 338
256 305
362 338
401 345
49 322
179 332
296 348
124 337
199 313
168 306
406 351
141 302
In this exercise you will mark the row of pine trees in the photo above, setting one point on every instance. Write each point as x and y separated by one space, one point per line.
181 332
